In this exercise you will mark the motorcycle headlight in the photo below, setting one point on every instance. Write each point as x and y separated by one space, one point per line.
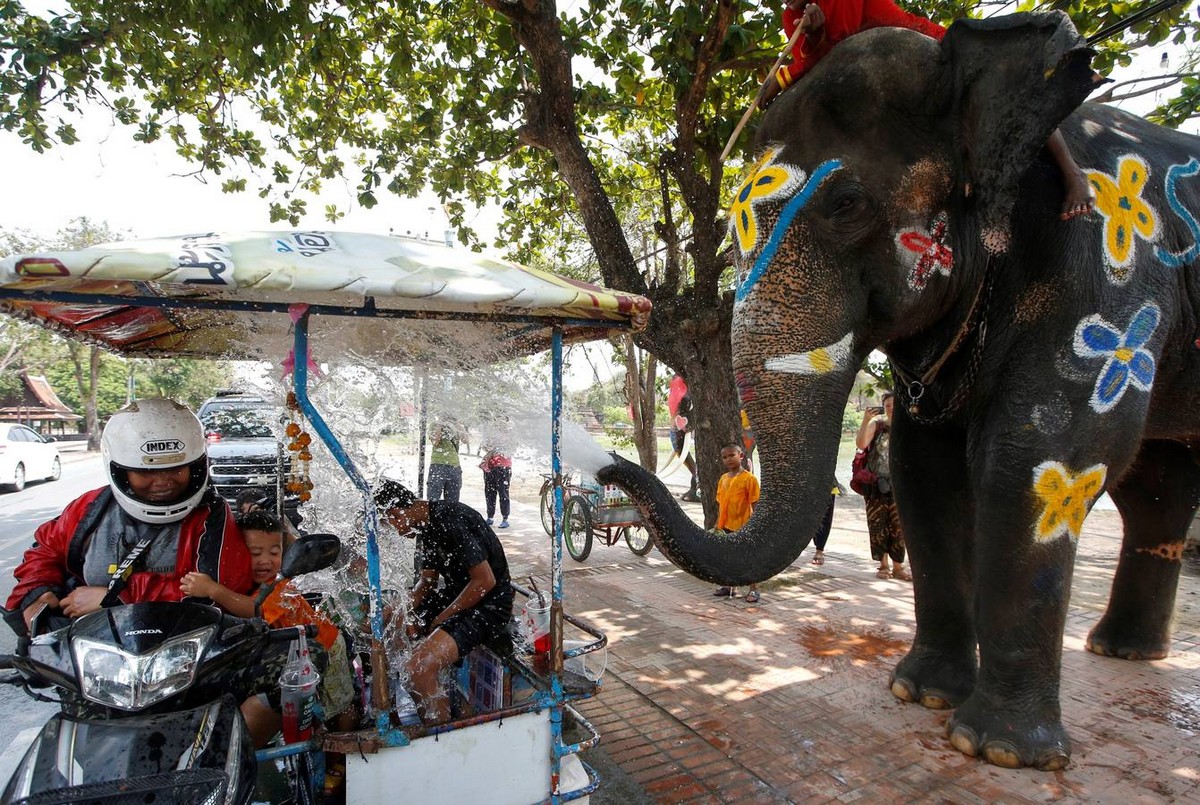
114 677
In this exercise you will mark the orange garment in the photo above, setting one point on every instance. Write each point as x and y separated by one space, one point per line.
736 496
284 606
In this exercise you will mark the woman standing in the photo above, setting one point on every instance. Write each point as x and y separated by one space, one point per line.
883 523
497 475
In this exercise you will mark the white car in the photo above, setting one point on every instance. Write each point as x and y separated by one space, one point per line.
26 455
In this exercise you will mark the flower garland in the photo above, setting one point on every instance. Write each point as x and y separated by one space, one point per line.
298 480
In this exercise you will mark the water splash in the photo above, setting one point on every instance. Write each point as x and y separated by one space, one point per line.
373 411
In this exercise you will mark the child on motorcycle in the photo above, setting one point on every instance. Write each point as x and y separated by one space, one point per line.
280 604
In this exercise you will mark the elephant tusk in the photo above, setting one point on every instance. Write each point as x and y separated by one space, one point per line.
820 361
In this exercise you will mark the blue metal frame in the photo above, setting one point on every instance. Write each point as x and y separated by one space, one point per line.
388 734
312 748
556 619
367 310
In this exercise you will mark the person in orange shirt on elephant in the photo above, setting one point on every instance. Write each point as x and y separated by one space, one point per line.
737 492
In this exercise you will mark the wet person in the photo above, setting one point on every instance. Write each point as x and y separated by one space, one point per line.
474 605
280 605
737 492
445 471
136 538
831 21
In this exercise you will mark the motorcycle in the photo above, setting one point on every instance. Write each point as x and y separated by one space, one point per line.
146 712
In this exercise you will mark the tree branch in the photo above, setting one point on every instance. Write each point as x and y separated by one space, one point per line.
1109 95
550 123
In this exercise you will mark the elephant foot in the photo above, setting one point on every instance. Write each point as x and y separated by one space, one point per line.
1008 738
1110 639
933 679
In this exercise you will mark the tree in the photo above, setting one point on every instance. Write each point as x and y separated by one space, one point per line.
189 381
506 100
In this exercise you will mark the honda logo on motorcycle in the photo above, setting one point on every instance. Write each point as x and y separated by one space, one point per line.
162 446
143 631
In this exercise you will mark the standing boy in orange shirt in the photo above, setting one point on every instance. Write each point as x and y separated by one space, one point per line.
737 492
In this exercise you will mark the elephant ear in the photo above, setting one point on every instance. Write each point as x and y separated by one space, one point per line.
1014 79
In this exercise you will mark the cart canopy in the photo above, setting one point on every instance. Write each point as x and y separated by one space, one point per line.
393 301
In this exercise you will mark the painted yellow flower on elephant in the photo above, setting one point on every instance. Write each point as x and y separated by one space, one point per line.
1126 213
767 180
1066 498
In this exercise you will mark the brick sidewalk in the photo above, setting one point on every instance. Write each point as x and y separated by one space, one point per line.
716 700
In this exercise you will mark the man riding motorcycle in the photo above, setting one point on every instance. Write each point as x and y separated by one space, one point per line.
135 539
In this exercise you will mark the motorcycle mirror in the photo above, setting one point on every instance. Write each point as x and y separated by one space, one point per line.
310 553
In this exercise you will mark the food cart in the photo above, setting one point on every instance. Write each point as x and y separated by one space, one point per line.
271 296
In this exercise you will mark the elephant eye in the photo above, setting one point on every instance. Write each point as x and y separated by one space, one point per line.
846 199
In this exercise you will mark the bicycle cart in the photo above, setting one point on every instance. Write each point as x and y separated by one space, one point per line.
388 302
591 511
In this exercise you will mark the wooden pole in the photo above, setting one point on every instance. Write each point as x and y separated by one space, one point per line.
800 29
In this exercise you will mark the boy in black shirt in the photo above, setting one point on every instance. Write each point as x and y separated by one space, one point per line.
475 602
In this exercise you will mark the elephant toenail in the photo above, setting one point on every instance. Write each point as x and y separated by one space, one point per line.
936 700
1053 761
1002 753
964 740
904 690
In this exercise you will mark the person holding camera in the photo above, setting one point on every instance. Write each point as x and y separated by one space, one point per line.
883 522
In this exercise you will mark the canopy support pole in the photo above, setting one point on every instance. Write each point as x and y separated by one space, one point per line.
422 384
370 523
556 574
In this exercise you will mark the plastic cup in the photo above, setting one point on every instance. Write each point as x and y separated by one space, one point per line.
297 702
591 665
537 626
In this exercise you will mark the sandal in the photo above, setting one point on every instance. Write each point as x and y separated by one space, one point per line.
723 592
752 597
904 574
819 558
883 573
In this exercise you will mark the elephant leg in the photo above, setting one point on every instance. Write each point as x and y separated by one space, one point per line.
1023 580
1157 499
936 512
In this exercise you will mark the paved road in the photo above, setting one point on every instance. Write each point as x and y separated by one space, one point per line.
20 514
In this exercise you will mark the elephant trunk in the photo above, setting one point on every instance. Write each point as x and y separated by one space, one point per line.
797 453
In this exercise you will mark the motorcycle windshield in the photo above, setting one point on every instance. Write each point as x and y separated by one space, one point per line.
193 756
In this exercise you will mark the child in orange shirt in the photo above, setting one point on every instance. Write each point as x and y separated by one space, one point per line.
737 492
282 606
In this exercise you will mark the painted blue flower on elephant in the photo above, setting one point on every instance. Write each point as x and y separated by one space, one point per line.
1128 361
786 216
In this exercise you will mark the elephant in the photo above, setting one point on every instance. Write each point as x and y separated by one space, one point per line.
903 200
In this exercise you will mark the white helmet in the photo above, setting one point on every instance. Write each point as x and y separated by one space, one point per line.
155 434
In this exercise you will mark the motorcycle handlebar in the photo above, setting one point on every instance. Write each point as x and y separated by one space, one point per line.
289 633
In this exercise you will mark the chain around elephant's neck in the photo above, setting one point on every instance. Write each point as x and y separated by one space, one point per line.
914 389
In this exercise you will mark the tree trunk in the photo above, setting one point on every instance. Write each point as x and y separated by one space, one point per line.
639 393
690 328
715 409
11 355
87 389
90 409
